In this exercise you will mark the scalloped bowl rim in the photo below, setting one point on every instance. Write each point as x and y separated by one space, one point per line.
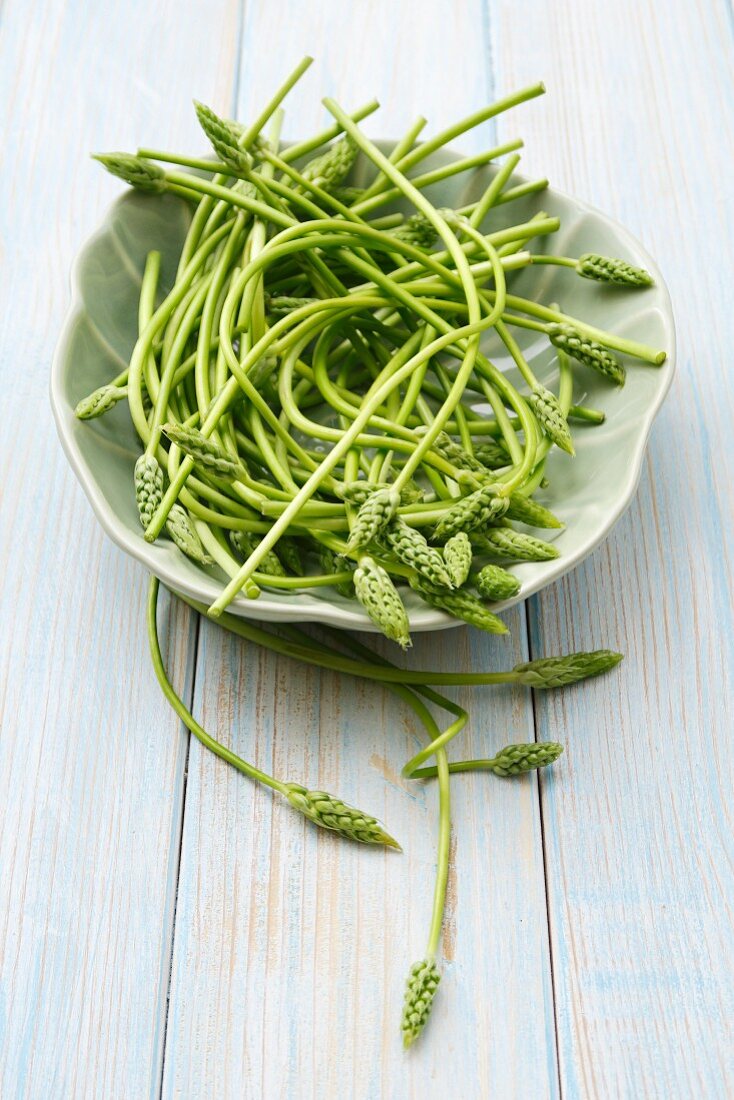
206 590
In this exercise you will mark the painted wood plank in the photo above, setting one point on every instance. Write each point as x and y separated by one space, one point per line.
91 760
291 949
639 832
622 1030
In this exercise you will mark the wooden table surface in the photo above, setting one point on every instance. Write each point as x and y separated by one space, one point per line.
168 929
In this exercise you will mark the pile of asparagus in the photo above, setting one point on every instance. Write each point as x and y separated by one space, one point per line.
316 410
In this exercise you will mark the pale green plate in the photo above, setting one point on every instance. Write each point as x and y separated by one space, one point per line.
589 493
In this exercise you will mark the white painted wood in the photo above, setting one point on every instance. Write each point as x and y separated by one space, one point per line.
91 759
639 120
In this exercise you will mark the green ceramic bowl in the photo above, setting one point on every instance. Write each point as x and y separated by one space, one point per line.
589 493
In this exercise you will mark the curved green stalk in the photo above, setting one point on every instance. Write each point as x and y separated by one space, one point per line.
183 712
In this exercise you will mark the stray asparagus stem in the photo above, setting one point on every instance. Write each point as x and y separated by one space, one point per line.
319 807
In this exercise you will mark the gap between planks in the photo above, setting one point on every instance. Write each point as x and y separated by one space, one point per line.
531 610
179 845
195 663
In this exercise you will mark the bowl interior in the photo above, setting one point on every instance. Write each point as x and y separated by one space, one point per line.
588 493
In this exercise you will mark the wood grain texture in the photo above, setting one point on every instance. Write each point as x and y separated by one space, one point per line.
91 759
639 834
291 948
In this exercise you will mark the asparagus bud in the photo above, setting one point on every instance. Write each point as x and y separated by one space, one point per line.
492 455
183 533
607 270
334 563
416 230
420 992
586 351
526 510
99 402
495 583
329 169
148 487
462 604
478 509
454 453
373 516
203 450
553 672
458 557
224 137
516 759
136 171
504 542
410 547
347 195
290 554
333 814
244 543
357 492
547 409
380 599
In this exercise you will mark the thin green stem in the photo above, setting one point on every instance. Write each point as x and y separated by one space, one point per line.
272 105
303 148
586 415
182 711
360 669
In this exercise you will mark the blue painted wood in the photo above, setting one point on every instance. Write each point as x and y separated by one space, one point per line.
91 759
289 949
291 946
638 832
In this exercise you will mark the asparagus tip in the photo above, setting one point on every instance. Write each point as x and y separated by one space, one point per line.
389 841
331 813
423 981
